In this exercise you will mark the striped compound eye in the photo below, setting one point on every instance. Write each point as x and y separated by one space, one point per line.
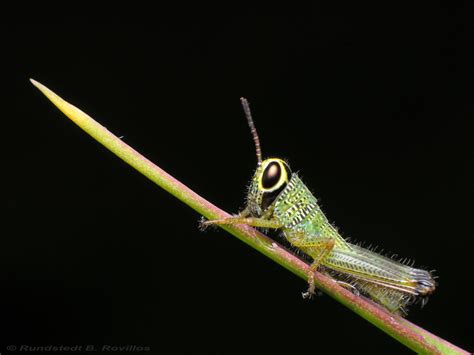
272 175
275 176
276 173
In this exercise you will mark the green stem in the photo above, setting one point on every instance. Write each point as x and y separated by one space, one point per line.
407 333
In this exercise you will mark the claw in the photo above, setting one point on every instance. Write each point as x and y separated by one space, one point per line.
311 288
204 223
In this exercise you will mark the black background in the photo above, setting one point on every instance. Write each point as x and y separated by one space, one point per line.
370 105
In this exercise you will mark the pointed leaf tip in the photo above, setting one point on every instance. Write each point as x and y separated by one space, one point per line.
34 82
39 86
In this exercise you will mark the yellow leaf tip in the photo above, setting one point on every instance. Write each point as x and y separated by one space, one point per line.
48 93
36 83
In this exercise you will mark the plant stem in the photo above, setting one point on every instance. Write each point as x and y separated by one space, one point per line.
414 337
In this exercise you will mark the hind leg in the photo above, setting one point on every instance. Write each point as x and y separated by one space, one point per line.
318 248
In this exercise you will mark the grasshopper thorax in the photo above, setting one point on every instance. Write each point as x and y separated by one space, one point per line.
269 180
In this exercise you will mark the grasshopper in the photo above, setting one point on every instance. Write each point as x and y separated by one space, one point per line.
278 199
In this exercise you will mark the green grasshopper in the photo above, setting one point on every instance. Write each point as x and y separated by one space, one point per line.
278 199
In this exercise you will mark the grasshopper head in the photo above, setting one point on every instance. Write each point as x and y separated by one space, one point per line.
269 180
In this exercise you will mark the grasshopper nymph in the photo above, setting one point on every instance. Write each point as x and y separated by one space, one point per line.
278 199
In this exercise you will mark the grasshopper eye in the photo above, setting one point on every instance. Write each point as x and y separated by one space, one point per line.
276 173
274 179
271 176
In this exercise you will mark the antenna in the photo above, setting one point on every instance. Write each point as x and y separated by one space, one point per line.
253 130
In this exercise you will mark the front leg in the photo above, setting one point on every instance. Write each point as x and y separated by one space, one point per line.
249 221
